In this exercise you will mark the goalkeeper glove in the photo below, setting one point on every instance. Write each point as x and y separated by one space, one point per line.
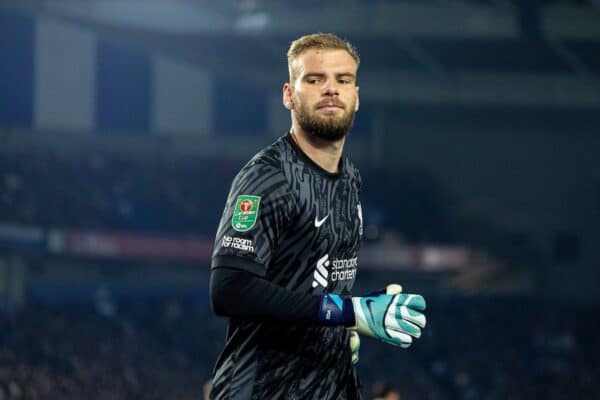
386 315
354 338
354 343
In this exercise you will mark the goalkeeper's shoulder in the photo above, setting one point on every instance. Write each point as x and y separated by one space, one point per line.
352 171
263 174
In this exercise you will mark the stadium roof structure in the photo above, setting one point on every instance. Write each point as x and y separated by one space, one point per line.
430 52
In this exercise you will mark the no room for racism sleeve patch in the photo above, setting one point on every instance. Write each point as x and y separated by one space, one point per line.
245 212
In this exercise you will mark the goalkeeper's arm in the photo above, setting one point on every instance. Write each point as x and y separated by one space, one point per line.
241 294
387 315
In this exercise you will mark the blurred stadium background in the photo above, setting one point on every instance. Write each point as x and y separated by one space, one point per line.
122 123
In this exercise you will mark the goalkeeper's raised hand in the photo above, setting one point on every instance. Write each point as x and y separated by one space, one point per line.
387 315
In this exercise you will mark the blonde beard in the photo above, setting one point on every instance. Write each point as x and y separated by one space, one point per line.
326 129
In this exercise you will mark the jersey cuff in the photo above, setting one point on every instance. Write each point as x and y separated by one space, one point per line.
239 263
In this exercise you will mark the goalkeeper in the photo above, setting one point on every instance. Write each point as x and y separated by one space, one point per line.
286 250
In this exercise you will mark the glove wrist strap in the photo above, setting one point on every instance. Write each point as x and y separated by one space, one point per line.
335 310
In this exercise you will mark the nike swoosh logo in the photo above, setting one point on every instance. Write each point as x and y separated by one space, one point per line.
368 303
319 222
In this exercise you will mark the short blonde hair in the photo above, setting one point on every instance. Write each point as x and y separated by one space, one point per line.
327 41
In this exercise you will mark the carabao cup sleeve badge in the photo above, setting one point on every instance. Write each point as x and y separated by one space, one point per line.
245 212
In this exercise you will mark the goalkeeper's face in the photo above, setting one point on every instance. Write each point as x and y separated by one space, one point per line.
324 95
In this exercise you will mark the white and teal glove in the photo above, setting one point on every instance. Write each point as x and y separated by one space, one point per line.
354 343
387 315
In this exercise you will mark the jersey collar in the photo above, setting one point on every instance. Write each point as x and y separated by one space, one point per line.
309 161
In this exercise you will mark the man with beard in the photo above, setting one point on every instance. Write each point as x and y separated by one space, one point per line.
286 251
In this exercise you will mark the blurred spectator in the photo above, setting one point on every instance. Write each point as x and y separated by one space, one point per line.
100 191
383 391
206 389
153 348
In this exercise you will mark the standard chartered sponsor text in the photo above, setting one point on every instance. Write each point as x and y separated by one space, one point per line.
343 269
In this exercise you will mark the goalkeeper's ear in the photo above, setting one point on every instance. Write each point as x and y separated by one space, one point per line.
394 288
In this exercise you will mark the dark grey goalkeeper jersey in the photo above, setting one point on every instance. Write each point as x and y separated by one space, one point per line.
298 226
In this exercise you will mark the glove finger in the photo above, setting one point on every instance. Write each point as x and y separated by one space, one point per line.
354 341
394 288
395 321
414 301
411 315
401 325
398 338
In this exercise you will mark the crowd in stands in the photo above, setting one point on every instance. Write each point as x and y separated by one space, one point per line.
145 348
511 348
472 348
161 194
96 191
79 352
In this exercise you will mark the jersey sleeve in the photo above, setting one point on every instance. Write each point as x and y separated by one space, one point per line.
257 209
